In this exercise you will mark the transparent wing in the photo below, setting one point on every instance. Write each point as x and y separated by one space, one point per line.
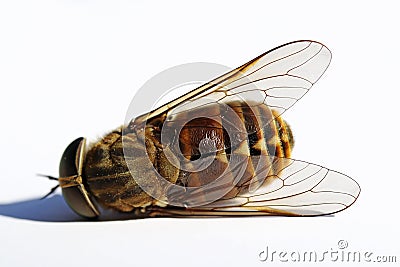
277 78
300 189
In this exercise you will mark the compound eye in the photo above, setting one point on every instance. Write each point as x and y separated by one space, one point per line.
71 180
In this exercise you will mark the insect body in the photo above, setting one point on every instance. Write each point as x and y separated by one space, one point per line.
227 150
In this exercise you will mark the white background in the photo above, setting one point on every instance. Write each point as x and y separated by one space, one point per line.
70 69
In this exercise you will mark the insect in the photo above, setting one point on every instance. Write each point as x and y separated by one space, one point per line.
228 150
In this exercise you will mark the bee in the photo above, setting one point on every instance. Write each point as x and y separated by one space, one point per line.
221 149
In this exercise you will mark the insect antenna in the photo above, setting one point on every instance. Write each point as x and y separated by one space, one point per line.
52 189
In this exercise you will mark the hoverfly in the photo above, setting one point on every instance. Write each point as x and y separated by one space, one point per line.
244 140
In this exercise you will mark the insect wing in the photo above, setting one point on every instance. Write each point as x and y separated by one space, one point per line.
277 78
301 189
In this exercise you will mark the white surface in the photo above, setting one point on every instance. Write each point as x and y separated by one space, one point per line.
70 68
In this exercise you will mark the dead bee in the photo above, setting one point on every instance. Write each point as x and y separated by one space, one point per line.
227 152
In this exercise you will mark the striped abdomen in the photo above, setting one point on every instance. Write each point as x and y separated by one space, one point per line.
221 134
